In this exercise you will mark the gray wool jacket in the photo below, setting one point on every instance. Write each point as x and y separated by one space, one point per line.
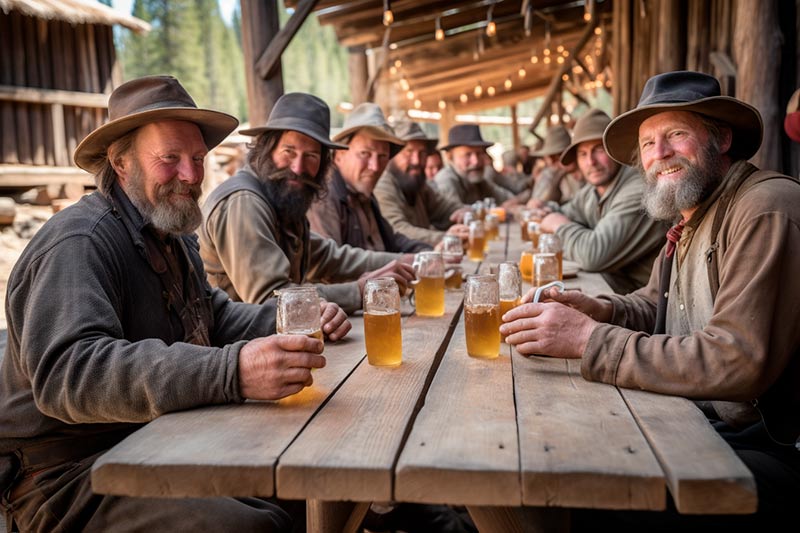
95 344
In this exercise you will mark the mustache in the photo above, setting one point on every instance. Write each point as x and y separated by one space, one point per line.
304 178
182 188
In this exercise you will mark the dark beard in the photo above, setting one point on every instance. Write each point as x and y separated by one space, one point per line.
410 185
290 204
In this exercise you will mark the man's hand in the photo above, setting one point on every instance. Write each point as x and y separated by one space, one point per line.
334 321
550 328
595 308
277 366
535 203
552 222
461 231
457 216
402 273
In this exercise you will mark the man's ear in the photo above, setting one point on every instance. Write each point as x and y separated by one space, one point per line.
726 139
120 163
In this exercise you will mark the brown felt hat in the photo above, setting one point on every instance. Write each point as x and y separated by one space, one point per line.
589 127
407 130
145 100
685 91
369 117
556 140
300 112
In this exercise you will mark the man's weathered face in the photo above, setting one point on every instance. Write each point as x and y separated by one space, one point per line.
468 162
681 162
433 164
363 163
410 161
163 175
596 166
299 153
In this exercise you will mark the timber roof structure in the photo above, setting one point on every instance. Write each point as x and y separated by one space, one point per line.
75 12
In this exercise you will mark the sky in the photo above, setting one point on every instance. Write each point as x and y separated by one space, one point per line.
226 7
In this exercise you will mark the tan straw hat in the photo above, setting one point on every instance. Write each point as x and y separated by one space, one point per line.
685 91
142 101
589 127
556 140
370 118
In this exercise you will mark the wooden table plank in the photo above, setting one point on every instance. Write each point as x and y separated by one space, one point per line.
349 450
579 445
227 450
704 474
473 458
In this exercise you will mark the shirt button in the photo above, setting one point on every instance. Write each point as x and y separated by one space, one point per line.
681 307
666 294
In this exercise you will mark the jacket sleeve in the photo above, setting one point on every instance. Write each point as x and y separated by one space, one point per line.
439 208
446 185
66 308
622 234
752 333
389 199
325 219
242 231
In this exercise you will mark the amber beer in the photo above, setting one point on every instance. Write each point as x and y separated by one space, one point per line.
482 325
383 339
508 305
429 296
452 278
477 241
526 265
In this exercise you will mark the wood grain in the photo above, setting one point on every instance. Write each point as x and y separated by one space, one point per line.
228 450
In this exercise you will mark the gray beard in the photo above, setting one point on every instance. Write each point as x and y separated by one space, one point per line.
180 219
664 200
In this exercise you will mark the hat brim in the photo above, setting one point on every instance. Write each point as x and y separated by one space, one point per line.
395 143
295 124
472 144
568 155
215 126
621 138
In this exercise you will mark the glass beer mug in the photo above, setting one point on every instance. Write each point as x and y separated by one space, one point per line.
482 316
382 322
551 244
477 240
298 312
452 249
429 289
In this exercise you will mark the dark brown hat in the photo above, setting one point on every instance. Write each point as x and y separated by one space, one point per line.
589 127
142 101
685 91
407 130
301 112
465 135
556 140
370 118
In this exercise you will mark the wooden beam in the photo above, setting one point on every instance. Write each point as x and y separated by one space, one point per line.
272 55
49 96
259 26
514 128
358 74
555 84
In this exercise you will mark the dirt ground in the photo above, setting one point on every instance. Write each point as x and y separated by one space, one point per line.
13 240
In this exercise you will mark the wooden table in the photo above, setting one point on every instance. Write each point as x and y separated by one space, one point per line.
442 428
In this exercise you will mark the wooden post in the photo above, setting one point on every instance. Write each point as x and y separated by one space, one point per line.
698 42
358 73
621 58
514 128
259 26
757 37
671 37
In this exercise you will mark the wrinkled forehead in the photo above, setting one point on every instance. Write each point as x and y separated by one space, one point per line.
299 141
170 135
364 141
667 120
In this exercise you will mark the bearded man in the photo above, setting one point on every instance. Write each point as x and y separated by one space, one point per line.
410 205
717 323
112 323
255 238
462 180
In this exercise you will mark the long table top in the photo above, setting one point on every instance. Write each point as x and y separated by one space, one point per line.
441 428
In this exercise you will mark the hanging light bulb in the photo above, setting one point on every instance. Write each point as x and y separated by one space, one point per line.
507 84
439 33
598 30
393 70
565 77
410 95
443 105
388 17
491 27
404 84
546 60
398 63
417 103
587 10
560 60
534 59
463 98
478 90
522 72
490 90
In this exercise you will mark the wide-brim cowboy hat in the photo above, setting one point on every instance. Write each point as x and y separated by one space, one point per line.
589 127
685 91
142 101
407 130
465 135
555 142
300 112
368 118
